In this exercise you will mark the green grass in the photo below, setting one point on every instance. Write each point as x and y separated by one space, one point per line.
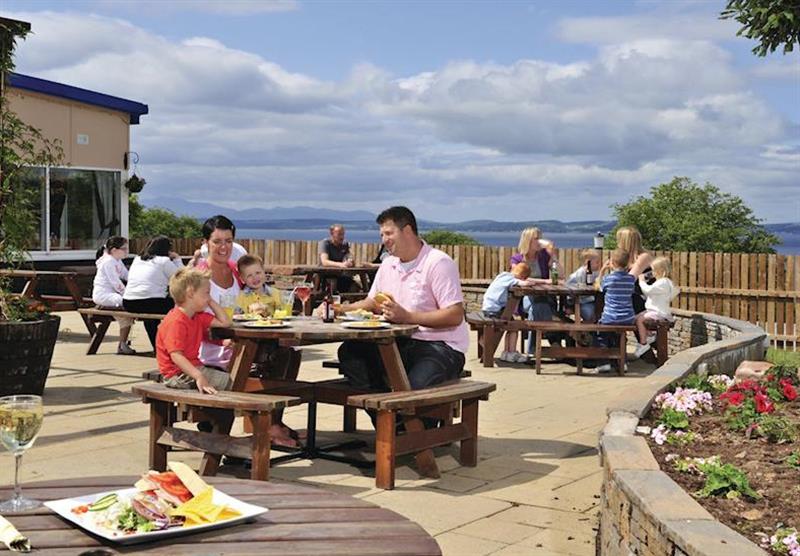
783 357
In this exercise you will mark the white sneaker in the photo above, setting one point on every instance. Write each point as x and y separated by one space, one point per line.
508 357
520 357
604 368
641 349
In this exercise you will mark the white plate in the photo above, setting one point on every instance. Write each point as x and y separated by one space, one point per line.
356 318
245 317
64 506
366 324
261 324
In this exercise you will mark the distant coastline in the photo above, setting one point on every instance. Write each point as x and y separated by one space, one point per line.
570 240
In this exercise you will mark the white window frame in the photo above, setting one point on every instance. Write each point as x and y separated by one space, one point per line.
78 254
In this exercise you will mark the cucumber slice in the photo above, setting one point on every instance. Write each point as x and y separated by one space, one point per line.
104 503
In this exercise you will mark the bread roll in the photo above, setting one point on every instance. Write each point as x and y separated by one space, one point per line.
383 297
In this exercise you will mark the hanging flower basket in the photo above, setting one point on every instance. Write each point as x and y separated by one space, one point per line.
135 184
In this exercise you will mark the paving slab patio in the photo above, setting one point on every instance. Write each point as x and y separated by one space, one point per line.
535 490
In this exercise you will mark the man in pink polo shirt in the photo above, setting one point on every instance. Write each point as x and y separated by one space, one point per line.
426 288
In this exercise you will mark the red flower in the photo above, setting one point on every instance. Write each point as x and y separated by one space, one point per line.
733 398
789 392
770 377
763 405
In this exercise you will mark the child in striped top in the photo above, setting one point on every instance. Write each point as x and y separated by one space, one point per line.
617 286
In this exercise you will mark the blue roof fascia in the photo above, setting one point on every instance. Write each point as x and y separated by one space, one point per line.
132 108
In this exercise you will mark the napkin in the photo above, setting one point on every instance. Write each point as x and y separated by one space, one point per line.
12 538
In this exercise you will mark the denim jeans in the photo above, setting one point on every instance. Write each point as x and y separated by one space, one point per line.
538 308
427 363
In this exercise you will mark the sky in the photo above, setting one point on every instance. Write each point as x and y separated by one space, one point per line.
504 110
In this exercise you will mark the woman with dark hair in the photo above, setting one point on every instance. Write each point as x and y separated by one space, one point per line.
109 285
148 282
218 234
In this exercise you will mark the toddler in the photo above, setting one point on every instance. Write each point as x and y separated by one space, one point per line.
591 259
182 330
659 295
256 296
494 302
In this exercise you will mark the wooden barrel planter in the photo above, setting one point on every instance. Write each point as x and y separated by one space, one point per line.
26 349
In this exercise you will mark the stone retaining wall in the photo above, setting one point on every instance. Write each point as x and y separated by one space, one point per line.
643 511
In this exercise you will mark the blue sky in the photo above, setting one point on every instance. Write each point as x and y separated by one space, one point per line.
503 110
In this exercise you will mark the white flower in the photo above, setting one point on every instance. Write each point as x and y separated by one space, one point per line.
659 434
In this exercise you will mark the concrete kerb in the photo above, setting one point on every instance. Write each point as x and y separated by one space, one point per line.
642 507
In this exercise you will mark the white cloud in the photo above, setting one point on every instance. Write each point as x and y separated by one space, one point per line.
529 139
691 25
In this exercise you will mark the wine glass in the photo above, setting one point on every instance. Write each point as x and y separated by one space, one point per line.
20 420
303 293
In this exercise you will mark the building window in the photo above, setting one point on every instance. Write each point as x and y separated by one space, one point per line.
79 209
33 182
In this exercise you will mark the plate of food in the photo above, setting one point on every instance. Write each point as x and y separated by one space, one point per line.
245 317
361 315
366 324
160 505
267 323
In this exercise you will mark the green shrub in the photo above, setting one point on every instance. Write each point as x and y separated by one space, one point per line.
447 237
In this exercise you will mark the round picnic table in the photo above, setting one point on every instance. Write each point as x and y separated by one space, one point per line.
300 521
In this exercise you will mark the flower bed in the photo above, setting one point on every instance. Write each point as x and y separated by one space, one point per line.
735 447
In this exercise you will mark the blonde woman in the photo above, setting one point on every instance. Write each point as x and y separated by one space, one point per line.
539 254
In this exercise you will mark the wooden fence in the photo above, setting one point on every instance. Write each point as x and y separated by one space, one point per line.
759 288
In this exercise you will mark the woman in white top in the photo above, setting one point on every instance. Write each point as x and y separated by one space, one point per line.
218 232
148 282
109 285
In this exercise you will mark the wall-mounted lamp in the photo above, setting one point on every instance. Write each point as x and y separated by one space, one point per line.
599 240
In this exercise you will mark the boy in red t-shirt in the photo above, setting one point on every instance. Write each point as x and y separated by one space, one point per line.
182 330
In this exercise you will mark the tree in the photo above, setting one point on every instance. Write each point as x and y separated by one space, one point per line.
683 216
22 146
446 237
772 22
149 222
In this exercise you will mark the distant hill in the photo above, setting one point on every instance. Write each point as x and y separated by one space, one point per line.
204 210
300 217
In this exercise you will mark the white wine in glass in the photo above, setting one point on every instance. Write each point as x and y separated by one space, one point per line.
20 422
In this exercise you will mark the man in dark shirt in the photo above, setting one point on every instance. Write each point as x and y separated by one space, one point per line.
334 252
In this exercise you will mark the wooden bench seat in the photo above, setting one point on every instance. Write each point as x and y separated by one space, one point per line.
103 317
219 410
432 402
483 324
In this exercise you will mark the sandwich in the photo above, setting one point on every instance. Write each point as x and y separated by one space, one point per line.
383 297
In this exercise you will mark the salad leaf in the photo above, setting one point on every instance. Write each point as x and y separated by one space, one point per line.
130 521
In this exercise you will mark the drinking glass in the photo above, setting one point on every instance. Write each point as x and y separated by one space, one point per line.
228 302
20 420
303 293
287 301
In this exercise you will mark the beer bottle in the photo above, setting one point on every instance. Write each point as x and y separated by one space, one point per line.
589 273
328 310
554 273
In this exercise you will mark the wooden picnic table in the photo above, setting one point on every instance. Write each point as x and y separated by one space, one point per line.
301 521
308 331
72 302
492 336
318 275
